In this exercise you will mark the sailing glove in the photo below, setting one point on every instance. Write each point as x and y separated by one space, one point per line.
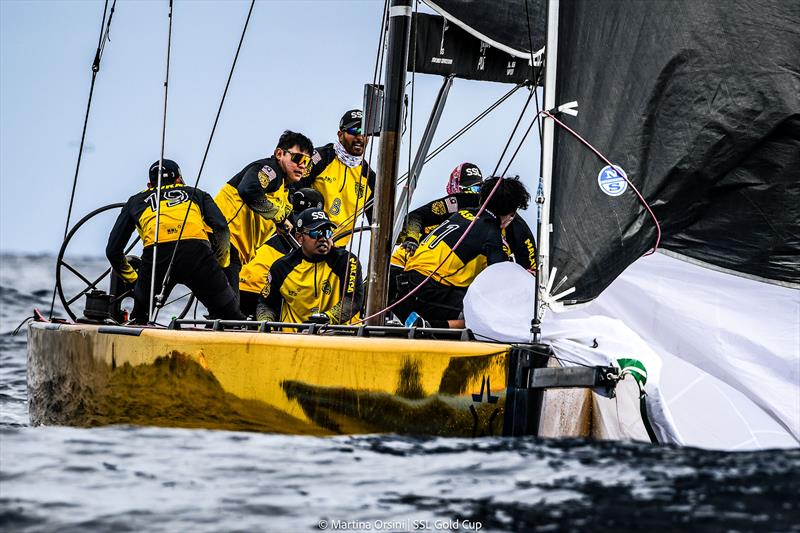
410 247
319 318
128 273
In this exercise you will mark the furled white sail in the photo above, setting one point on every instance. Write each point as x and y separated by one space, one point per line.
728 348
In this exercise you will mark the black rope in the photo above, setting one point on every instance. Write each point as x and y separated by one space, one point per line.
104 35
150 314
208 147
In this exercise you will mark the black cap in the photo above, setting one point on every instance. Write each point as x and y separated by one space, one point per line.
351 119
470 175
313 218
170 171
464 175
306 198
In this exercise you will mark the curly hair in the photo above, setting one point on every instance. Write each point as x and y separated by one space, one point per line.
510 195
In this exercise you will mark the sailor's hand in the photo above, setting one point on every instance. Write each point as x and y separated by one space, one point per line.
319 318
129 274
285 227
410 247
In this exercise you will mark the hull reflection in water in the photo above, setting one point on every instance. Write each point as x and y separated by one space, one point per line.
409 410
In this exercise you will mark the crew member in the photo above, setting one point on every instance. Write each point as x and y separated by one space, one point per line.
184 214
463 191
340 173
316 282
254 274
257 198
440 300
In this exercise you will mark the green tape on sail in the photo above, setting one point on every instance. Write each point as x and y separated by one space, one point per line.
635 368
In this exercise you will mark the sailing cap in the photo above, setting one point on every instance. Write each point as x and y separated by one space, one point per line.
463 176
313 218
170 171
306 198
351 119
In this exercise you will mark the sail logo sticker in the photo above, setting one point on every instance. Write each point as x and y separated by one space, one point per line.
612 180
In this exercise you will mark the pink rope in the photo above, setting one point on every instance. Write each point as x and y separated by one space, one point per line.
453 249
601 156
483 207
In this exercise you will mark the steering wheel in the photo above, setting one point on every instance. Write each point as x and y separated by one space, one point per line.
89 284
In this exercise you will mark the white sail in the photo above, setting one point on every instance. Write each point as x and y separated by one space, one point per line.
722 352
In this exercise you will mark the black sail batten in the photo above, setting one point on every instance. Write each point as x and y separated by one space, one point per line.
502 25
699 103
444 49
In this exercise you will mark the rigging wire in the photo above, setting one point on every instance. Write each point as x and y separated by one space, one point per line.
160 167
514 131
481 209
454 137
376 78
411 112
101 45
205 154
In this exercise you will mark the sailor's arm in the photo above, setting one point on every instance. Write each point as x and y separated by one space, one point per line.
522 243
493 247
221 239
256 183
349 271
369 198
269 301
115 248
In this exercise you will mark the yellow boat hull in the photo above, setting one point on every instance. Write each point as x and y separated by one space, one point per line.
87 375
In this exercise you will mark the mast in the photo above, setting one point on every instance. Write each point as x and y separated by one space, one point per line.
419 160
551 59
388 158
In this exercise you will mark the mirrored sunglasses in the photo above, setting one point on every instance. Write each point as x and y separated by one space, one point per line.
299 158
354 131
476 189
319 233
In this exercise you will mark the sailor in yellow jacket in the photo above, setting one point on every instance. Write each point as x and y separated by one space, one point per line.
256 199
198 261
254 274
316 282
453 268
339 172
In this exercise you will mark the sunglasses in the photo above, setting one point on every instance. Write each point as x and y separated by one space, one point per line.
320 233
354 131
299 158
476 189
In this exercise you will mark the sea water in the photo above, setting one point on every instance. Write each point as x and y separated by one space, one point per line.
125 478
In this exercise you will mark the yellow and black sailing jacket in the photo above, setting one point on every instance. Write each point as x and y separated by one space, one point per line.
483 246
520 244
253 201
426 218
140 213
345 189
518 241
298 287
253 276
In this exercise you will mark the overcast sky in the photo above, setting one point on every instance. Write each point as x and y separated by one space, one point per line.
302 65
